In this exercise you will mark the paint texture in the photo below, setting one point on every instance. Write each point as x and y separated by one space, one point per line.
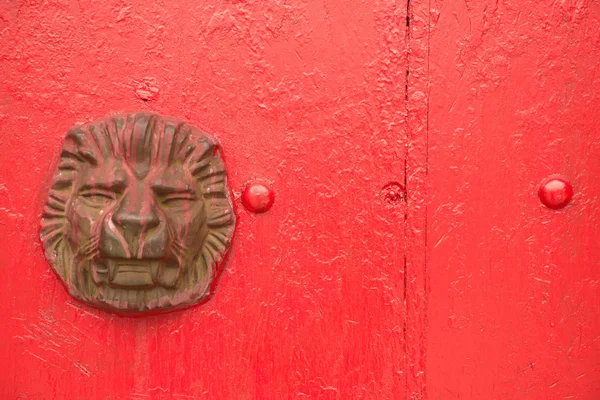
513 295
308 96
407 254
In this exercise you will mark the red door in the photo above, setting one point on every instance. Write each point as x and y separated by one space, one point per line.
513 295
308 97
407 254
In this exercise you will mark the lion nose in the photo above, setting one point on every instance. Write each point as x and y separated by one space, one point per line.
134 231
136 221
136 216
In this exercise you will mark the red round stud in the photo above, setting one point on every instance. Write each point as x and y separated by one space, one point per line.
555 192
258 197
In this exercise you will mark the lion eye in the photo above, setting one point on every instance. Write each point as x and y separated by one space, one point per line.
178 200
98 197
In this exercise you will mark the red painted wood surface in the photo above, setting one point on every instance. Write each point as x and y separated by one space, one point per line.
513 286
465 287
307 96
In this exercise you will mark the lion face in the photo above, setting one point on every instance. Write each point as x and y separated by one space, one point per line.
139 217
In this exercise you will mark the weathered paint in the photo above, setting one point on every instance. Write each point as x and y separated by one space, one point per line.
513 286
407 255
306 95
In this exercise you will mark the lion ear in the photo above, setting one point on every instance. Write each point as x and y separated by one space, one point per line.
53 218
53 230
76 149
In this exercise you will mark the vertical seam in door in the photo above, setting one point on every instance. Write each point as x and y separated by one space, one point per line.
416 172
406 368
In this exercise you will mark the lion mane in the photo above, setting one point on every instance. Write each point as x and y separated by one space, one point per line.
139 139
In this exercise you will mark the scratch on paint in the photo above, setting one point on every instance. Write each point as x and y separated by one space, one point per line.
42 359
82 368
542 280
36 356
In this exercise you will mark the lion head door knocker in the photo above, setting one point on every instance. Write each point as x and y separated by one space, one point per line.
139 217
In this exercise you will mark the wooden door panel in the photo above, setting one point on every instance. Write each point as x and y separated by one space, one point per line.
513 299
307 96
465 287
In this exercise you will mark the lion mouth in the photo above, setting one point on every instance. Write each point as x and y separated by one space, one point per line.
136 273
132 273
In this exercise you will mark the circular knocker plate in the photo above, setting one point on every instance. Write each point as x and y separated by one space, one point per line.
139 216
